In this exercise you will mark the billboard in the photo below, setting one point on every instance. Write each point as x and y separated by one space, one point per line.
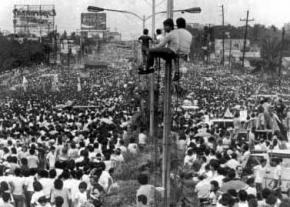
93 21
33 19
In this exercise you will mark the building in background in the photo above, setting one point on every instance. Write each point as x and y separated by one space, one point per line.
234 47
287 27
114 36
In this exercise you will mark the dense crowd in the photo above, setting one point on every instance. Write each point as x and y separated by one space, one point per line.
60 147
227 125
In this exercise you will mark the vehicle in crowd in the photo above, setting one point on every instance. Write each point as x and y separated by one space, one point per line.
257 156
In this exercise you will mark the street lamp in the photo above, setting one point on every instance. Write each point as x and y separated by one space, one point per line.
143 19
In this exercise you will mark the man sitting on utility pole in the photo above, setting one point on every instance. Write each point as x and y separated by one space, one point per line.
176 42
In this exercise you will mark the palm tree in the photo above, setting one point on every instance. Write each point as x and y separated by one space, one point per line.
271 55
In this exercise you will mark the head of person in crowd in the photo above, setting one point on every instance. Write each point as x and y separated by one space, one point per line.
168 25
52 173
214 186
145 32
143 179
58 184
59 201
83 187
6 197
37 186
158 31
181 23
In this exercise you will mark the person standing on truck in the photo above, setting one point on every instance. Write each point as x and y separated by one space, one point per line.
288 123
260 172
277 175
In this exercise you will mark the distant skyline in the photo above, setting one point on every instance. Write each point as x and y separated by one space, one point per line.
267 12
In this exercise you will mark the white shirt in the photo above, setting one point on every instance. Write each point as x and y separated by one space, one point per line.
232 163
188 160
105 180
277 172
142 138
243 204
203 189
81 198
159 38
29 183
51 159
148 191
47 186
219 179
251 191
132 147
178 40
259 173
18 183
36 196
123 149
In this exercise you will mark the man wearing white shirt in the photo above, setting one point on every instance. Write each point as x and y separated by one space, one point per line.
233 163
47 183
260 172
51 158
142 139
18 186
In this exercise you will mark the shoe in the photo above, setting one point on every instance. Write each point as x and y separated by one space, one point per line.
176 76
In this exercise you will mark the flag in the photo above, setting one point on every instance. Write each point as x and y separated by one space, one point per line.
84 74
24 83
228 114
54 84
79 85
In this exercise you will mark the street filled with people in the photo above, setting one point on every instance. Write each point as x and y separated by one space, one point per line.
67 134
60 147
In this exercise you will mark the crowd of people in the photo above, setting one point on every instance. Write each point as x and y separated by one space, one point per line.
63 133
60 147
227 124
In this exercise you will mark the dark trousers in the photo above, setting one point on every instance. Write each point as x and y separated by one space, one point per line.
165 53
144 51
19 201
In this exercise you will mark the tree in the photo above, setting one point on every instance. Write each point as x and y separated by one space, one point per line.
270 54
13 54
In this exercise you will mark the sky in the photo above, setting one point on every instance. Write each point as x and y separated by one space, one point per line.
268 12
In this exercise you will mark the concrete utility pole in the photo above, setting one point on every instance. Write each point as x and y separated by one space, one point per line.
167 124
223 23
151 129
230 54
143 22
281 55
247 20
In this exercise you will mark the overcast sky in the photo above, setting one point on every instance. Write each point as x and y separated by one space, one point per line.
68 12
